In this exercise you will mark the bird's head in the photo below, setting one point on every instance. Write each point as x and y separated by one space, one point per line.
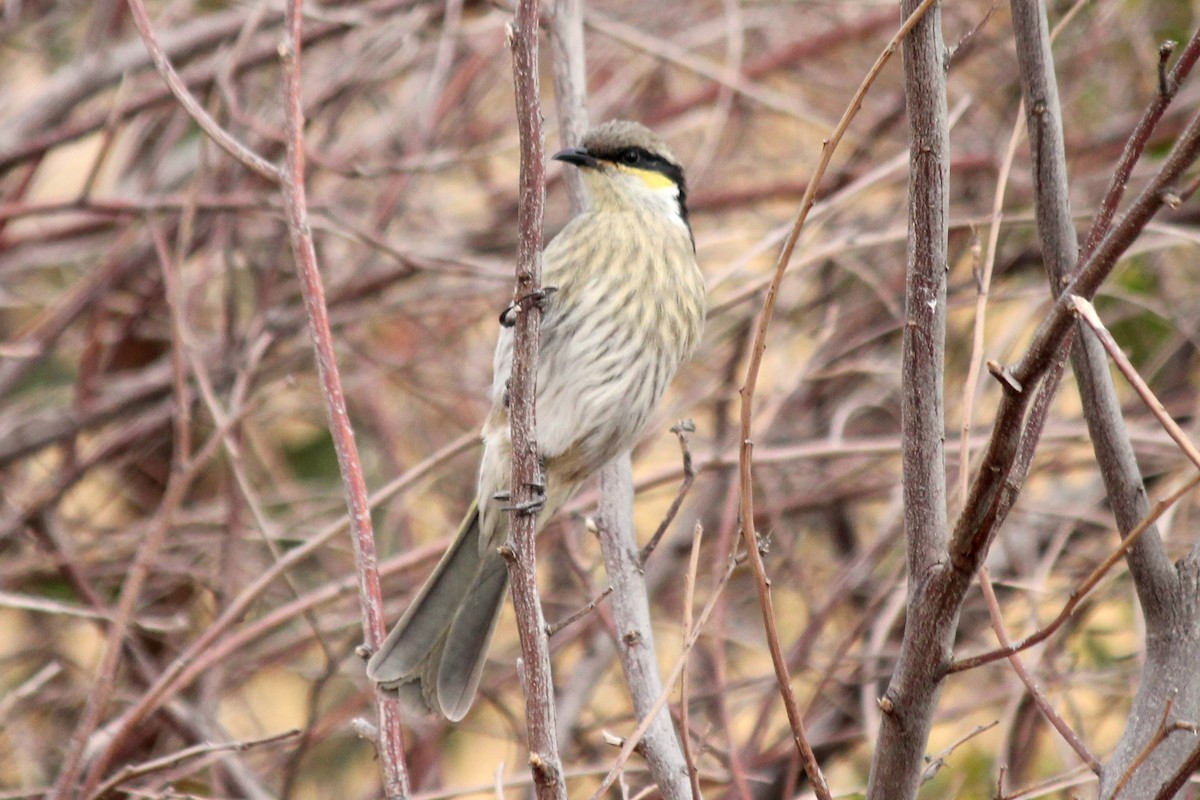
625 165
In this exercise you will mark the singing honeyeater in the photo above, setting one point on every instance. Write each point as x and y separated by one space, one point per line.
624 306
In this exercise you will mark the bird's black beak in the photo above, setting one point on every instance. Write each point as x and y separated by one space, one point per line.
577 156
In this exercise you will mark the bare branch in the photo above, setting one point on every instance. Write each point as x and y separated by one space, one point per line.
131 771
632 741
1169 84
912 693
1161 734
544 757
681 430
1035 691
223 138
390 743
1081 591
635 632
689 598
1088 313
757 347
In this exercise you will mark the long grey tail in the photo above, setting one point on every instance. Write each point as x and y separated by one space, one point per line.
437 649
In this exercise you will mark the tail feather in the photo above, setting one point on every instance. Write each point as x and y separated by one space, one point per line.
429 615
465 648
437 650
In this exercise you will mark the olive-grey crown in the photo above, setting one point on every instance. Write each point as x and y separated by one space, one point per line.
611 140
625 144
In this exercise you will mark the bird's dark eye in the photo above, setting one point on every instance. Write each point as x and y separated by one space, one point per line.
631 156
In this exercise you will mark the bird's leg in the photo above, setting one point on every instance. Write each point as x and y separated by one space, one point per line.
508 317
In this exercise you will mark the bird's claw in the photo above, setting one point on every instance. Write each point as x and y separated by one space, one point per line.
528 508
533 505
508 317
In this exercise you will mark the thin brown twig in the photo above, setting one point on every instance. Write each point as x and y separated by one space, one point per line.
579 613
689 597
108 138
984 277
209 646
661 48
251 160
937 762
1161 734
1136 144
131 771
1181 776
184 468
681 429
631 741
1035 691
1087 312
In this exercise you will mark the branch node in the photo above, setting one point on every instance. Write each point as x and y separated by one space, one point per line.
364 729
1165 50
1004 375
886 705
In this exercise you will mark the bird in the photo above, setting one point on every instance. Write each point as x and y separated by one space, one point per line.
623 307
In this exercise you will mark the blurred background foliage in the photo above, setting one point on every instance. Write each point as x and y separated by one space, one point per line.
132 249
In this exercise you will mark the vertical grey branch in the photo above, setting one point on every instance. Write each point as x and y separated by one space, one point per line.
922 406
569 66
1170 678
544 758
911 697
635 634
1154 576
618 538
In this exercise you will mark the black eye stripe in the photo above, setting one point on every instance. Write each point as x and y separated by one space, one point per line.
643 159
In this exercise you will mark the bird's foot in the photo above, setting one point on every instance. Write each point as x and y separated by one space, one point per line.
534 504
528 508
508 317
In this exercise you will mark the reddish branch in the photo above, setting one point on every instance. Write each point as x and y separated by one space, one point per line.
1135 145
1035 691
544 759
389 742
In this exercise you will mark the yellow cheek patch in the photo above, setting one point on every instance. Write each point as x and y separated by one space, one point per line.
652 179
